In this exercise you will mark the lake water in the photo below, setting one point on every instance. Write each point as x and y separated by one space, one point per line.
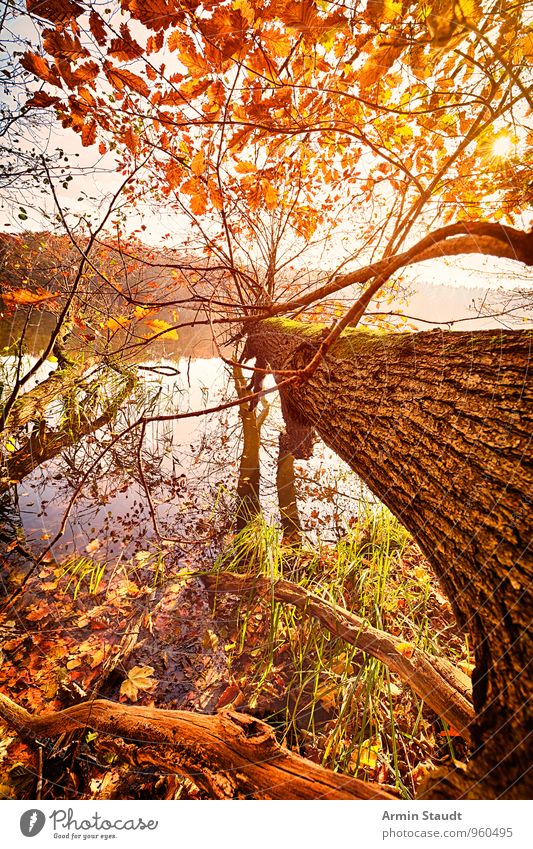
189 467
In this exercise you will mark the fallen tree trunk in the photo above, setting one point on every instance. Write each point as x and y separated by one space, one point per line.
229 755
44 444
32 405
439 425
443 687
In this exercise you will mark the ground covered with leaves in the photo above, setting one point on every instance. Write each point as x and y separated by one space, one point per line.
148 631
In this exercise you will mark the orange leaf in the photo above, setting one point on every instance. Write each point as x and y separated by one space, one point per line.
88 134
198 163
37 65
18 297
119 78
269 193
125 47
97 28
131 140
162 328
245 167
57 11
199 203
60 44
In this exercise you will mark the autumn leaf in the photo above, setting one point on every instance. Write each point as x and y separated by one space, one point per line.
269 193
245 167
23 297
97 27
88 134
40 100
125 47
139 678
56 11
37 65
198 163
120 77
367 755
466 667
406 649
199 202
118 322
61 44
162 328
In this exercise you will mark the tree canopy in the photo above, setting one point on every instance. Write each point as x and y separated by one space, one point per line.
386 120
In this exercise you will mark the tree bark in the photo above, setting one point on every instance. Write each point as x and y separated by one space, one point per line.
438 425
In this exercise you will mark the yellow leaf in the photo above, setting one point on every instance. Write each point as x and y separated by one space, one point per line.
407 649
367 755
142 312
118 323
139 678
162 328
391 9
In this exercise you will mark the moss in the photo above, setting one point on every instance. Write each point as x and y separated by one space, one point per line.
289 325
351 339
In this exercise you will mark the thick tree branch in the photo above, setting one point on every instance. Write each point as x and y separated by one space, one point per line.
482 237
230 755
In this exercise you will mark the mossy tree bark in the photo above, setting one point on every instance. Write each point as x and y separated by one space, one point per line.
438 425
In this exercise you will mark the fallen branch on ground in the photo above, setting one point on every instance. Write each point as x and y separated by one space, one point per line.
443 687
229 755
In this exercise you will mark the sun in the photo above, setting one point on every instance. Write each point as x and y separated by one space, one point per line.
502 146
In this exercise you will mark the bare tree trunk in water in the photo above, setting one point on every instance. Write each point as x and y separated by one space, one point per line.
287 500
249 481
438 425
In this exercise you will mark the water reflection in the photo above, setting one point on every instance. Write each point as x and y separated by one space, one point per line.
180 462
183 475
